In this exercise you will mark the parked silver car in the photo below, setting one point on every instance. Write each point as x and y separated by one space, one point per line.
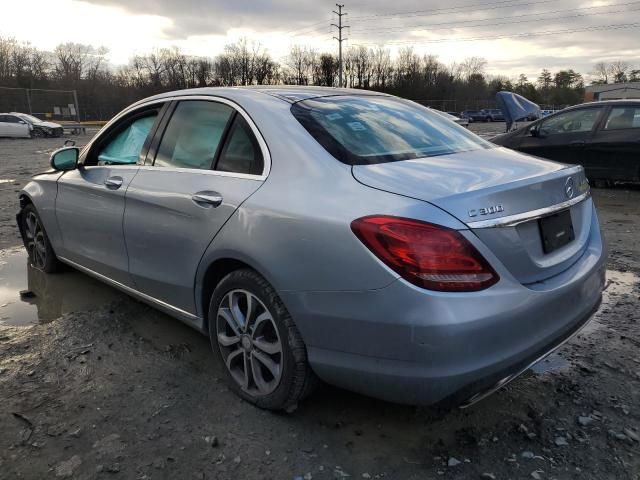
342 234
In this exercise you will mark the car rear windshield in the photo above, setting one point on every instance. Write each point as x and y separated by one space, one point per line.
361 130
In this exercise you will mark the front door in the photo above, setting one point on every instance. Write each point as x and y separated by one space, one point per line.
563 137
208 162
91 199
12 126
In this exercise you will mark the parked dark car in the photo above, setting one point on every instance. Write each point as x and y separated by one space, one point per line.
494 115
603 137
475 116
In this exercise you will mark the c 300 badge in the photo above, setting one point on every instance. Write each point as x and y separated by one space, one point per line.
486 210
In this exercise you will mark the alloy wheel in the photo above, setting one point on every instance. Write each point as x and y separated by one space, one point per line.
249 342
35 241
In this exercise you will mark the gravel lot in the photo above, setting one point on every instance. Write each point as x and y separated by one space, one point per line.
101 386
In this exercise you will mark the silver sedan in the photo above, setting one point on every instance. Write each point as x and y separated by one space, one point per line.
341 235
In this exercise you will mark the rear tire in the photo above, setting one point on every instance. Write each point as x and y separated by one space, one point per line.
36 241
255 338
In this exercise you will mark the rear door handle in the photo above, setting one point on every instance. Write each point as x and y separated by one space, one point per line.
577 144
207 199
113 183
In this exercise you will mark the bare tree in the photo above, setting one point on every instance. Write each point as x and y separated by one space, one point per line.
301 61
76 61
326 70
473 66
382 67
619 71
601 70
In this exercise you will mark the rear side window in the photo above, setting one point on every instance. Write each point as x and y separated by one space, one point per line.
241 153
621 118
377 129
193 135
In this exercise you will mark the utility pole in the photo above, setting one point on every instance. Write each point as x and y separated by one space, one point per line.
340 39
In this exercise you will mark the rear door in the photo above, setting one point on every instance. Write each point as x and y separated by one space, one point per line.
564 137
90 201
615 147
201 167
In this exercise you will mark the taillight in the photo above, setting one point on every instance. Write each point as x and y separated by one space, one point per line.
429 256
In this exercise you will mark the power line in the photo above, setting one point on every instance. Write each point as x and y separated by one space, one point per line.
302 29
421 13
463 23
517 35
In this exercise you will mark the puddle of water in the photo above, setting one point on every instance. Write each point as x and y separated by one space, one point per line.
55 294
552 363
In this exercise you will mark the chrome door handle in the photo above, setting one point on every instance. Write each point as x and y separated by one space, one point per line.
113 183
207 199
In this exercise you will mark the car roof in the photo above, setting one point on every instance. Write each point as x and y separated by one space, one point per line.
621 101
287 93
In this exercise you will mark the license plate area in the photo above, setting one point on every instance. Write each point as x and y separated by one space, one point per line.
556 231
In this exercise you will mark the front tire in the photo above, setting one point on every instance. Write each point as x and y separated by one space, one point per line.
36 241
253 335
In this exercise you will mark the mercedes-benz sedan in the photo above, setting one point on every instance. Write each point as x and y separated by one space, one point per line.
340 234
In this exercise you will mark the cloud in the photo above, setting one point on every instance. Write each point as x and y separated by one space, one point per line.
452 30
216 17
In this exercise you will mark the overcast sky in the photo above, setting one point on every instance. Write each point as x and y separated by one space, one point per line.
451 29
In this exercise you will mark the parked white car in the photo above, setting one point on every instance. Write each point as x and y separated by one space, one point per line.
40 128
13 126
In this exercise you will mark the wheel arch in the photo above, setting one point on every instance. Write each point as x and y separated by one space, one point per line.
23 200
211 274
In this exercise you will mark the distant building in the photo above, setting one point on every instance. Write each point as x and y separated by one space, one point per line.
613 91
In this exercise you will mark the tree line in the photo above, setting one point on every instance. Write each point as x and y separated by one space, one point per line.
103 89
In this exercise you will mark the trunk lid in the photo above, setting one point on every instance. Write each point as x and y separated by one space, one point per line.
483 188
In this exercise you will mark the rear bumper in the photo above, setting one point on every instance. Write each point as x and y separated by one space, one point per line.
408 345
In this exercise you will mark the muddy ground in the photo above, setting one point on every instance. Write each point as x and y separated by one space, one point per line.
96 385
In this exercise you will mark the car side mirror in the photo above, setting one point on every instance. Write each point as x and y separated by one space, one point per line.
65 159
22 122
537 132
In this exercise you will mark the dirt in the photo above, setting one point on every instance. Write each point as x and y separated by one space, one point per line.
20 158
96 385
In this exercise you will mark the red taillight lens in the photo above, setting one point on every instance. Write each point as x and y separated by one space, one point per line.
429 256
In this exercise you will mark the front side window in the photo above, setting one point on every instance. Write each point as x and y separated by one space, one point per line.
241 153
570 122
621 118
30 118
125 146
360 130
193 135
